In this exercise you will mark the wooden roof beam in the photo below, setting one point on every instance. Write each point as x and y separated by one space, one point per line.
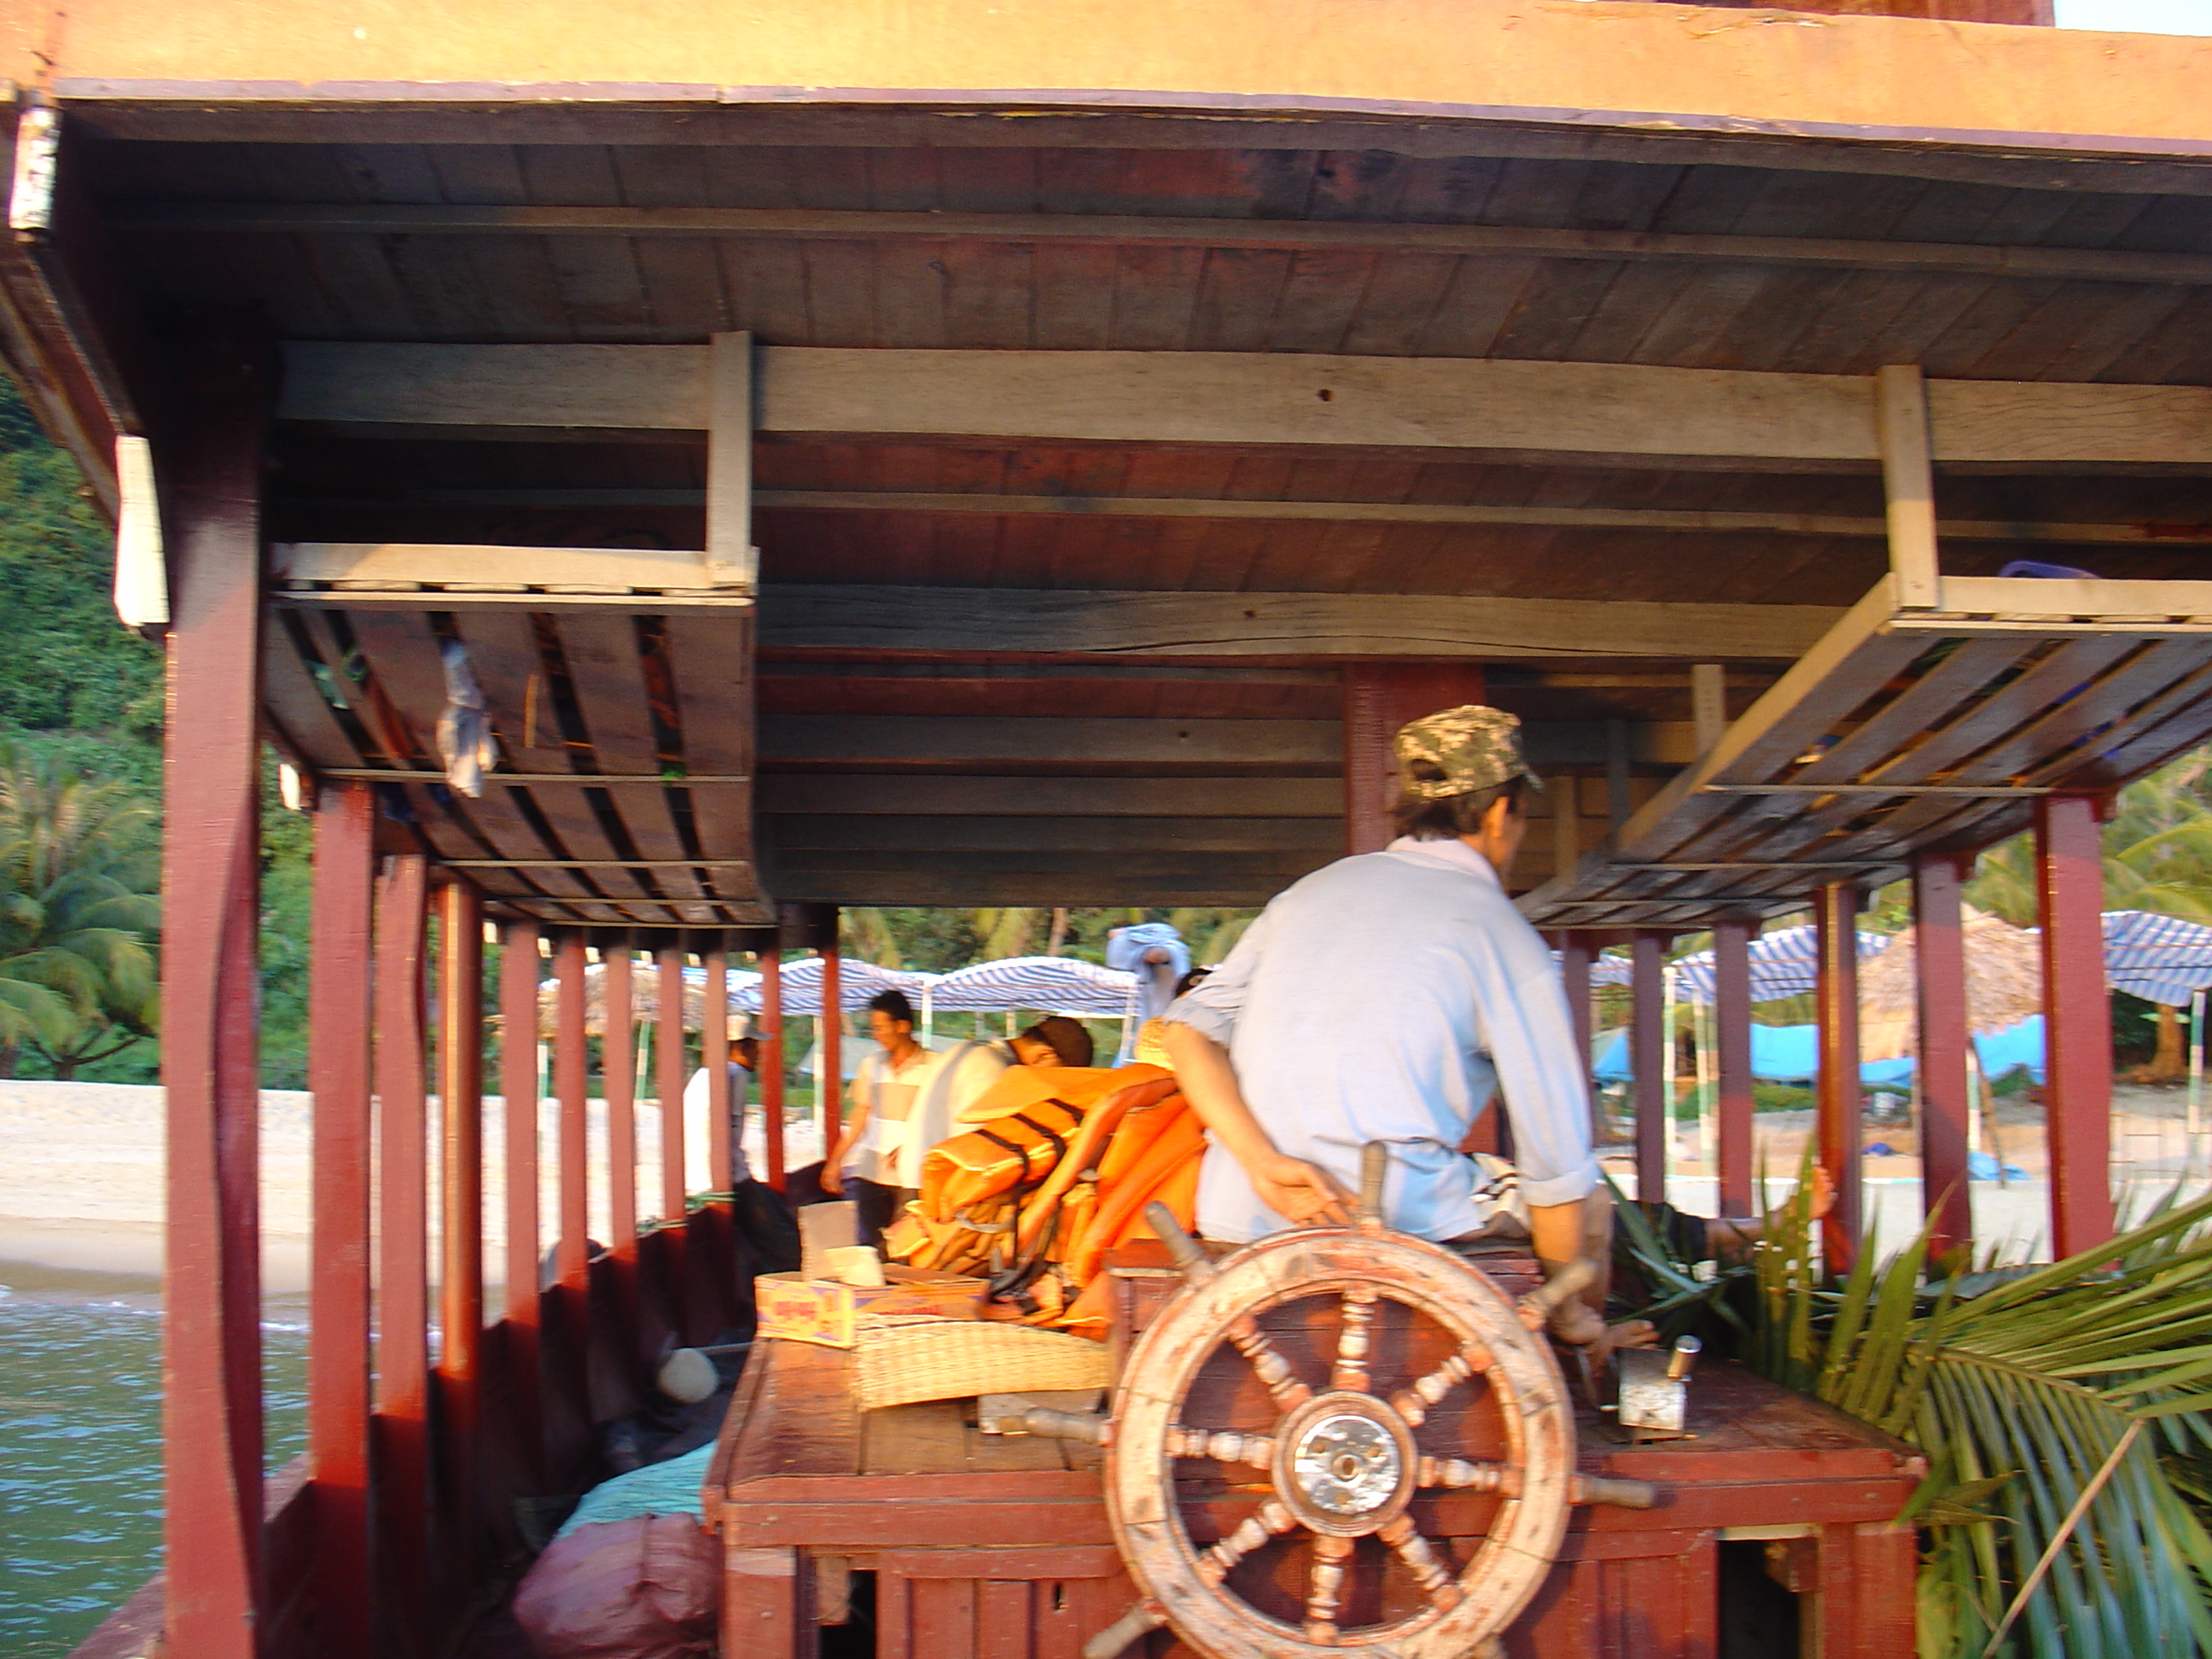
938 621
1693 521
1146 230
1611 413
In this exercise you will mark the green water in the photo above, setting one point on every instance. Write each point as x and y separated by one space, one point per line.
81 1445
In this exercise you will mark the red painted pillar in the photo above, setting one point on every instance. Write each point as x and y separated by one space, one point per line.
715 1058
1836 993
1946 1101
771 1060
675 1178
402 1265
339 1047
460 1279
832 1111
1379 698
1733 1102
1647 1040
618 1085
211 1420
2078 1094
518 1082
571 1080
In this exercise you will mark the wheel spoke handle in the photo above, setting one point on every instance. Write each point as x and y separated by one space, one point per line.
1622 1494
1224 1446
1112 1642
1187 1254
1273 1370
1349 1375
1325 1587
1412 1402
1270 1520
1429 1570
1473 1477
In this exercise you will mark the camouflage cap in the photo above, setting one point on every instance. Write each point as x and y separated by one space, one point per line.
1476 748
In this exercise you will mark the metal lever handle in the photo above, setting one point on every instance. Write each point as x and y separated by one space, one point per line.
1684 1359
1374 1173
1049 1425
1187 1252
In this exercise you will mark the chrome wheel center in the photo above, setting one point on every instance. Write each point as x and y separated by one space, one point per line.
1346 1465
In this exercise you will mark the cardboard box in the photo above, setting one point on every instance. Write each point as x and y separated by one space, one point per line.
823 1310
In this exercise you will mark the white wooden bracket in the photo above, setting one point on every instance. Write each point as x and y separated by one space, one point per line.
1908 477
732 561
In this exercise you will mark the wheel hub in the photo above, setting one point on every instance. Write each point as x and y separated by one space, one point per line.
1345 1463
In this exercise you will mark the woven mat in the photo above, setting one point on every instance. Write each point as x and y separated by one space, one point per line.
896 1362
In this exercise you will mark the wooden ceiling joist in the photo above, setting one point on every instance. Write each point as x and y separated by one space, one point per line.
1907 730
981 503
828 616
1147 230
1613 413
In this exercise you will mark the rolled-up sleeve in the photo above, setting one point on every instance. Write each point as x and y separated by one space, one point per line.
1531 1040
1212 1006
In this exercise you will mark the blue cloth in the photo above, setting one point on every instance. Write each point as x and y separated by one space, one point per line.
1440 993
2011 1050
670 1488
1126 949
1779 1054
1980 1166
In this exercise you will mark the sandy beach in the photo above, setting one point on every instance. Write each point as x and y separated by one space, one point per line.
82 1185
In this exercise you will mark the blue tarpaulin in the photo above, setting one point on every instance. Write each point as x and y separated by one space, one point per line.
1791 1054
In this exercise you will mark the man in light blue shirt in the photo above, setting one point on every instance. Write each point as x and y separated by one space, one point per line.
1384 998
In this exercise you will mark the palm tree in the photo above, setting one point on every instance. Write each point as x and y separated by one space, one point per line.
79 873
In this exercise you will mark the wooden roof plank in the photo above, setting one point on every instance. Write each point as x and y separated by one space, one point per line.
296 704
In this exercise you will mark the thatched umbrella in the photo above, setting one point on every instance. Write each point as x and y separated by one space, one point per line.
2004 986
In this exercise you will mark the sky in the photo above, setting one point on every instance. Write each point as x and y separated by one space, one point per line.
2145 16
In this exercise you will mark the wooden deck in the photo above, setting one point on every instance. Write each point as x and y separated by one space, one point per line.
986 1544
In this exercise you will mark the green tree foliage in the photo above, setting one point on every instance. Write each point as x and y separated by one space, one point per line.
79 877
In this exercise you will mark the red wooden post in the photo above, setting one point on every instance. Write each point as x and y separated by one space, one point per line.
339 1047
461 1280
668 1056
618 1083
1378 698
1945 1086
1648 1040
771 1060
715 1058
572 1255
518 1083
1836 994
402 1348
1576 956
1732 1050
831 1112
2077 1021
211 1421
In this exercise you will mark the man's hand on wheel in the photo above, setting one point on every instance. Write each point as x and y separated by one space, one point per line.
1304 1194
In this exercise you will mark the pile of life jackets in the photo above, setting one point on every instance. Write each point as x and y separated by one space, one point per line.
1059 1174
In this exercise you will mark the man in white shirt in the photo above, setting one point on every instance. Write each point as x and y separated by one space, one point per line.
1439 992
765 1219
872 1146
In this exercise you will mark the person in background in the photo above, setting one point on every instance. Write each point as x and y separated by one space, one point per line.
872 1143
1151 1045
1155 953
764 1220
1056 1040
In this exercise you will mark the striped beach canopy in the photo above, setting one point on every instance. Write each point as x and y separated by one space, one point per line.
2158 958
857 982
1782 965
1061 985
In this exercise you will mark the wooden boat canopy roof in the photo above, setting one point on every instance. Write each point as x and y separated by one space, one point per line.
1122 375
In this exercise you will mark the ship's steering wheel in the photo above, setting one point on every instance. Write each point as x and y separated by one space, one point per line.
1345 1457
